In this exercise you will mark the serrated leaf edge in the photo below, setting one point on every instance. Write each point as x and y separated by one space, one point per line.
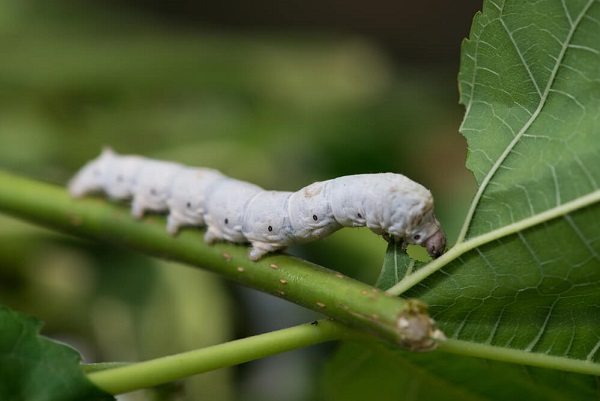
543 97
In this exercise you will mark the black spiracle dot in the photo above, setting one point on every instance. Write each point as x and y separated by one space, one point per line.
359 216
315 217
188 205
153 191
270 228
226 221
417 237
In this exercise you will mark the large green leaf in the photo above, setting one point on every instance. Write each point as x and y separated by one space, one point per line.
522 283
33 367
530 81
358 371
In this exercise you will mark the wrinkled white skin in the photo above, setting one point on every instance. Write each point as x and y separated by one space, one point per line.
310 213
188 194
152 186
275 220
388 204
266 224
119 178
109 173
91 177
225 209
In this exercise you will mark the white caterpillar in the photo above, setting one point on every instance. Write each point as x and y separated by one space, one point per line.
388 204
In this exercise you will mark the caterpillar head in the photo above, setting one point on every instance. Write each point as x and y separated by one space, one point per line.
436 243
432 238
430 235
424 229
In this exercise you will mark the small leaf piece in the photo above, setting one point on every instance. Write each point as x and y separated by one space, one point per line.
35 368
397 264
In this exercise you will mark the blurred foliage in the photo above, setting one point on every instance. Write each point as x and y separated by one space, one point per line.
280 110
35 368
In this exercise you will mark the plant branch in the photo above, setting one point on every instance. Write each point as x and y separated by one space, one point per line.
354 303
163 370
519 356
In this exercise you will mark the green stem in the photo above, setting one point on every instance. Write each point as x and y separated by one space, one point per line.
163 370
333 294
520 357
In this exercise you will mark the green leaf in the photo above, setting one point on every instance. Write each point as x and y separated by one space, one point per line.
358 371
34 367
530 80
399 263
522 282
525 271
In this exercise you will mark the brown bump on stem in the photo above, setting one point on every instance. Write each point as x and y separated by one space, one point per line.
273 266
227 256
240 269
364 292
283 281
279 292
339 275
321 304
418 332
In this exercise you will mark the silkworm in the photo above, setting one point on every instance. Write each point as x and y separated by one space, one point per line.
388 204
189 191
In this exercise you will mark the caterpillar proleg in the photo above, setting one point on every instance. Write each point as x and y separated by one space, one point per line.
388 204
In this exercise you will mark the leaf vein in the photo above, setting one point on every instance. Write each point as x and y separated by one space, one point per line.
581 237
542 329
590 355
585 48
567 14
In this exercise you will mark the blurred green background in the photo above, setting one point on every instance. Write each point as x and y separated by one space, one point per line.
277 95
